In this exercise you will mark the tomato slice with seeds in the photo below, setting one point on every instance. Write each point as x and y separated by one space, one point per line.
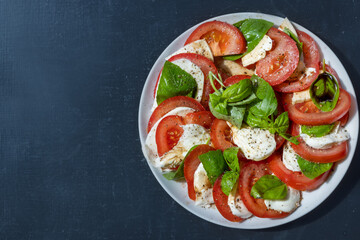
311 60
281 61
235 79
203 118
191 163
336 153
220 135
250 173
170 104
168 133
223 38
221 202
296 180
308 114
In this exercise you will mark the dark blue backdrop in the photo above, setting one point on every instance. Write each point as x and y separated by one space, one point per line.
71 75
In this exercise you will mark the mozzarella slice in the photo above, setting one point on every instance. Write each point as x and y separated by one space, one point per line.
256 144
203 187
195 72
289 204
200 47
337 135
259 52
236 205
150 143
289 158
232 68
287 24
299 97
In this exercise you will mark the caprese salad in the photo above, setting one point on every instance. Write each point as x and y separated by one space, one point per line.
249 116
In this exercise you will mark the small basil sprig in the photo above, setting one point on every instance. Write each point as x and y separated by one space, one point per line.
295 38
325 91
317 131
230 178
214 164
312 169
269 187
253 30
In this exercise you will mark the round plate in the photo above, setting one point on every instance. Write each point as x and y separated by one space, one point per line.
178 191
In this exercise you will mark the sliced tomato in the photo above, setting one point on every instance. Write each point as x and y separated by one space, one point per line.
279 141
220 135
204 118
311 59
221 202
223 38
170 104
250 173
293 179
335 153
235 79
307 113
281 61
344 119
168 133
191 163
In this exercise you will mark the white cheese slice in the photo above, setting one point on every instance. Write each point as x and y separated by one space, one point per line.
256 144
302 96
232 68
289 158
290 203
287 24
200 47
259 52
337 135
236 205
203 187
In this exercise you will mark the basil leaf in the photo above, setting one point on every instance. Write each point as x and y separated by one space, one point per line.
231 158
317 131
237 115
269 187
253 121
246 101
324 92
228 181
281 123
290 138
218 103
311 169
174 81
238 91
214 164
295 38
179 173
267 103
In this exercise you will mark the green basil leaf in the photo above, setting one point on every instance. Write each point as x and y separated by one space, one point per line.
174 81
231 158
324 92
295 38
311 169
228 181
238 91
269 187
281 123
290 138
214 164
237 115
246 101
218 103
267 103
317 131
179 173
253 121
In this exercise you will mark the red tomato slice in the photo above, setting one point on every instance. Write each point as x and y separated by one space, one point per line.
336 153
235 79
306 114
170 104
221 202
223 38
191 163
311 60
344 119
281 61
296 180
204 118
250 173
220 135
168 133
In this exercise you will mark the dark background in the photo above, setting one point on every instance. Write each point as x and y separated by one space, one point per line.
71 75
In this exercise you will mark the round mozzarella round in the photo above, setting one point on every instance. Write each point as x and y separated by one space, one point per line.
203 187
290 203
259 52
289 158
256 144
236 205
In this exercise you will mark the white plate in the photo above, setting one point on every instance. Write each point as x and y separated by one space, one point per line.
311 200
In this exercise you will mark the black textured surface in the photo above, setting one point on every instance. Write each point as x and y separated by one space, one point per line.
71 75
